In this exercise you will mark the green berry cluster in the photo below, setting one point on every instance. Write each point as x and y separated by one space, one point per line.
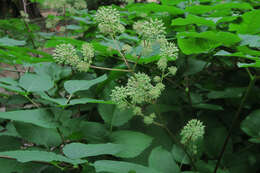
70 6
108 20
138 91
191 134
150 30
67 54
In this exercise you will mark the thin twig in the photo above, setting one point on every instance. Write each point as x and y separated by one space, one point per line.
35 104
67 102
110 69
251 83
122 55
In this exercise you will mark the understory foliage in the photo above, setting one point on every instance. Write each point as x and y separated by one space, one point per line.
165 87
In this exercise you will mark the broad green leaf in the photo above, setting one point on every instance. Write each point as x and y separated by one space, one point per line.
114 116
79 150
11 166
5 41
192 19
208 106
9 81
121 167
93 131
202 9
162 161
251 124
72 86
194 66
39 117
65 102
214 140
55 71
153 7
227 93
42 156
73 27
88 100
250 40
12 88
248 24
21 55
33 82
179 155
193 42
207 167
9 143
133 143
10 131
54 41
38 135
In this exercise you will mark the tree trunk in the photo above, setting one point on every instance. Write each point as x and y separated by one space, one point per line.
12 8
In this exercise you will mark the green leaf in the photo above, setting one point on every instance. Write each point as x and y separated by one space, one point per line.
248 24
39 117
208 106
153 7
94 132
38 135
79 150
53 70
251 124
194 66
192 19
250 40
194 43
121 167
133 143
179 155
9 81
162 160
227 93
227 6
114 116
42 156
72 86
213 141
21 55
33 82
12 88
5 41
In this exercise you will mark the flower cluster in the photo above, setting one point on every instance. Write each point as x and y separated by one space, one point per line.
108 20
67 54
192 133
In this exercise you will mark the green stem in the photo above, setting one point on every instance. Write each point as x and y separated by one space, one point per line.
251 84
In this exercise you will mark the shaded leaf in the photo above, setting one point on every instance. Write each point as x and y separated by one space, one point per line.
79 150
